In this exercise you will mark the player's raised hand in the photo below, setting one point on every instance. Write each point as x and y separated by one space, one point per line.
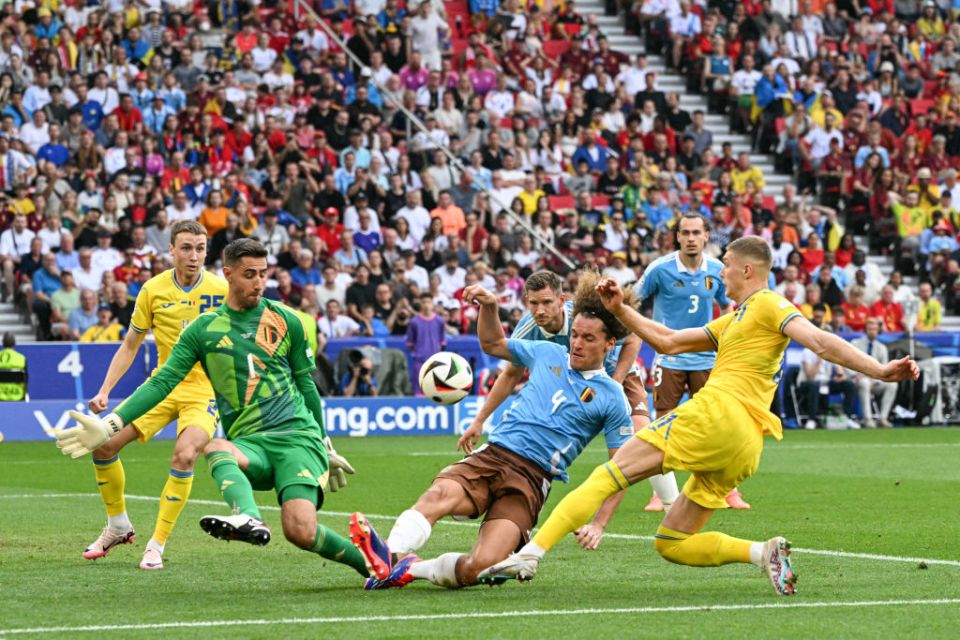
469 439
339 467
98 403
903 369
477 294
611 295
89 434
589 536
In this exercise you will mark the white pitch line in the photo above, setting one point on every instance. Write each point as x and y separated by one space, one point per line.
771 448
454 523
480 615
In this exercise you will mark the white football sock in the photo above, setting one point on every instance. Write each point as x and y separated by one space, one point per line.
532 549
756 553
440 571
120 523
153 544
410 532
666 487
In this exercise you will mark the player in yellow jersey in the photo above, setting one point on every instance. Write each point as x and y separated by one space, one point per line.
167 303
718 434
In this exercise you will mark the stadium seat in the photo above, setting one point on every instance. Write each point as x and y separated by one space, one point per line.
599 201
558 203
571 29
920 105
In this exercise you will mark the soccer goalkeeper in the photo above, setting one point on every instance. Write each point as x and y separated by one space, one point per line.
258 361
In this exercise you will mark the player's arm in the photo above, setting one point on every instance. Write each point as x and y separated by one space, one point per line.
489 329
502 388
629 351
840 352
119 365
589 535
91 432
664 340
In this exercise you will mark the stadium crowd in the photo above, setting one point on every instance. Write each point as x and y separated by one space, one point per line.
119 118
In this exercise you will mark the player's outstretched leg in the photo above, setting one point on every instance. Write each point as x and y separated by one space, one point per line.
175 493
111 480
374 549
298 513
246 524
712 548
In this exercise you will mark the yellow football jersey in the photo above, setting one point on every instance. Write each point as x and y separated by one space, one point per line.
167 308
96 333
750 347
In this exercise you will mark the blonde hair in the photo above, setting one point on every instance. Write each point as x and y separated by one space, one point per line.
753 249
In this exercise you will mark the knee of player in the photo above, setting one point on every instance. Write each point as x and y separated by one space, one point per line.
215 445
667 548
184 456
299 533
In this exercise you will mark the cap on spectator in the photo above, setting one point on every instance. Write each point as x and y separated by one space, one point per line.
940 138
141 76
619 254
886 67
104 233
366 73
331 211
924 173
451 257
55 88
103 307
361 195
270 212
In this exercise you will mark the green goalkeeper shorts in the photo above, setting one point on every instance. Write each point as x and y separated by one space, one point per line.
290 459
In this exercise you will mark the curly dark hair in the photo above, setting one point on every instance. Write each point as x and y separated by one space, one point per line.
587 301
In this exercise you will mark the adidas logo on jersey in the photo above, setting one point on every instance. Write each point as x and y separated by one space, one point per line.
225 343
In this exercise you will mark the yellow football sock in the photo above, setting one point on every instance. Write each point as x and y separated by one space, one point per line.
111 481
172 501
581 504
710 549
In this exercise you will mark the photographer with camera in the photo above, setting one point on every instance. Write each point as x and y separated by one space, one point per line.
359 381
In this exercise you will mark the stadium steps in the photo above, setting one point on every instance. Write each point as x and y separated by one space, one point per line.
12 321
668 82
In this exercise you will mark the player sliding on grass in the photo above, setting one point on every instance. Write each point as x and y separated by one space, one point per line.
718 434
255 354
568 400
548 318
167 303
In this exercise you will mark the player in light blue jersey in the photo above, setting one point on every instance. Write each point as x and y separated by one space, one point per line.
549 317
684 285
568 401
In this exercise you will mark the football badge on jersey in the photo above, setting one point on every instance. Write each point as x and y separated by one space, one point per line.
588 395
708 283
678 283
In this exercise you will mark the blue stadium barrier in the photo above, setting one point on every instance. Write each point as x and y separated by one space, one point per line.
74 371
345 417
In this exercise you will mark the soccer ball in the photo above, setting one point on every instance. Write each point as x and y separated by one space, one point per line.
446 378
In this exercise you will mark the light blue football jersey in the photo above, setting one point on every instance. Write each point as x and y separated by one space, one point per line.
560 410
683 299
528 329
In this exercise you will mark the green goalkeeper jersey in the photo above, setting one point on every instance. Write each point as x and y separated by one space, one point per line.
259 364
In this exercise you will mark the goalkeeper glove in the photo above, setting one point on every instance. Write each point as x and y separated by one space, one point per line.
90 433
339 467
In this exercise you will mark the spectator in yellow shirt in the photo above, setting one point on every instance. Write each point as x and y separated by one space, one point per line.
745 172
930 24
530 195
106 330
930 312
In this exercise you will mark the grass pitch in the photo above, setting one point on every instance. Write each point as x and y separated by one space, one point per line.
886 499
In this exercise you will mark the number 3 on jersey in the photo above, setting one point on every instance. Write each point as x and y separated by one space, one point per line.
694 304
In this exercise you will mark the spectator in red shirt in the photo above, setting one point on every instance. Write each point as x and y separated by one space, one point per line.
329 232
855 312
889 312
128 116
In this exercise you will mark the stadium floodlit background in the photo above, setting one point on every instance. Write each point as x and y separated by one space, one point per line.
381 149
